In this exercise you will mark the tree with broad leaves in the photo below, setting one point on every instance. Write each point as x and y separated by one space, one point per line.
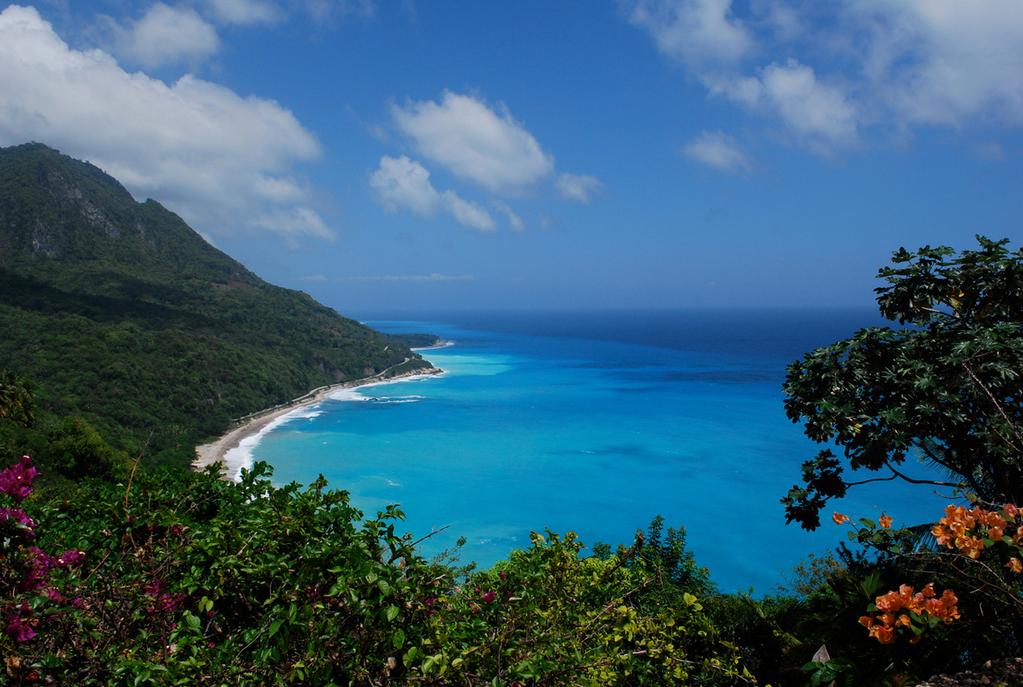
16 402
947 386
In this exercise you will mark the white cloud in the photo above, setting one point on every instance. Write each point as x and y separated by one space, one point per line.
578 187
718 150
819 114
850 68
220 160
467 213
165 35
245 12
699 33
945 61
475 142
514 221
404 184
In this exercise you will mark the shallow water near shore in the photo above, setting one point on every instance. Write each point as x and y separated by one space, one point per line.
592 422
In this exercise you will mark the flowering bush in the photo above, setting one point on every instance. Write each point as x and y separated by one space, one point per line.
971 531
193 580
905 610
971 543
27 591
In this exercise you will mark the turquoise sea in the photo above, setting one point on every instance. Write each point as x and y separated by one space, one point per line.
592 422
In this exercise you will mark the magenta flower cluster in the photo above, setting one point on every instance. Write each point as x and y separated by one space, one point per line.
160 601
16 482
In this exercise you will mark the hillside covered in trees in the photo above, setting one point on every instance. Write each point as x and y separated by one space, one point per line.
122 315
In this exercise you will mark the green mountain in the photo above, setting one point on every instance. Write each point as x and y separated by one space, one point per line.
123 315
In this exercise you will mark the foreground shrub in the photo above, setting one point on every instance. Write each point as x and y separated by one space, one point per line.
179 578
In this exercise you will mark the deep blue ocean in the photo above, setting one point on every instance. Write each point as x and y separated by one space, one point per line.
593 422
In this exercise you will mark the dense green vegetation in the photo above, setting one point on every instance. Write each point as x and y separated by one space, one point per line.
416 340
177 578
948 389
123 315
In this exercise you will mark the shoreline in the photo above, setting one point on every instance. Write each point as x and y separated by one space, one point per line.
441 343
233 449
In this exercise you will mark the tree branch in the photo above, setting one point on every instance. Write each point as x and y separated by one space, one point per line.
998 406
898 475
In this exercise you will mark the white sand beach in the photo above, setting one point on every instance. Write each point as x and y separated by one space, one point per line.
233 450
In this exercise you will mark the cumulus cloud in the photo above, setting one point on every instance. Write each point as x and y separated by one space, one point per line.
467 213
514 221
818 114
718 150
475 142
165 35
578 187
404 184
699 33
220 160
850 67
245 12
944 61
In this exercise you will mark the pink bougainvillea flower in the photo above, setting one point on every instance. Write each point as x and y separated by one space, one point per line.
39 565
69 558
16 480
18 627
20 519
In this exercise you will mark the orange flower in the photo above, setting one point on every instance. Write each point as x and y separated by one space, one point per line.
971 546
1011 510
883 625
888 602
1015 565
942 535
884 635
840 519
886 520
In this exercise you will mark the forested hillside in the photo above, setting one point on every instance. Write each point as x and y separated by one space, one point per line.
122 314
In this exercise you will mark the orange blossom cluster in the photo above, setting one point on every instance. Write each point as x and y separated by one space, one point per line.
901 608
970 530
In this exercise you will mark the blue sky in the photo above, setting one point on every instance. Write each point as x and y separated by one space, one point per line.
439 155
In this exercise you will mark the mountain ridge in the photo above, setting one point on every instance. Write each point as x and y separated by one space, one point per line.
121 313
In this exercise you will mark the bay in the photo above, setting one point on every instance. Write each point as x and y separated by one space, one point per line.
593 422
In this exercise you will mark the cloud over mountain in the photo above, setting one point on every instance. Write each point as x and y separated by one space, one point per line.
221 160
164 35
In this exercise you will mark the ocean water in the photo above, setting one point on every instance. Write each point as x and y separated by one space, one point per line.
595 423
